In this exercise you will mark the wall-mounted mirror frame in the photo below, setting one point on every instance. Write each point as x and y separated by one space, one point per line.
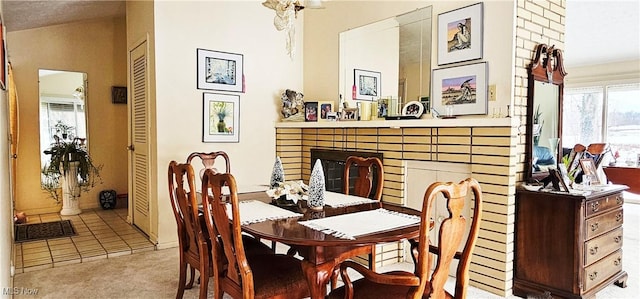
398 47
62 108
544 112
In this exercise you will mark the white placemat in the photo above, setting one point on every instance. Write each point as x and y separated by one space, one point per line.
349 226
335 200
253 211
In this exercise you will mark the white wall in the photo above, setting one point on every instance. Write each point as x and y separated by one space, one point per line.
243 27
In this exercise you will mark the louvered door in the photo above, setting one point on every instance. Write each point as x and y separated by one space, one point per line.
139 137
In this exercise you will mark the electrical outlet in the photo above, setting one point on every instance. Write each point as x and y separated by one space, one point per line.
492 92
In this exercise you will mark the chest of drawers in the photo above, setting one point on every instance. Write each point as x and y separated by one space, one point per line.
568 245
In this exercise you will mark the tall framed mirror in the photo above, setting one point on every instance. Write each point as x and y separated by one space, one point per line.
62 108
396 49
544 111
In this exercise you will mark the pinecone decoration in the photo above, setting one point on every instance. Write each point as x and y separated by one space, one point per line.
316 187
277 176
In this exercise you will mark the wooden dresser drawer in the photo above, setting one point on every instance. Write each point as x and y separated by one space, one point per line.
603 204
602 246
598 225
603 269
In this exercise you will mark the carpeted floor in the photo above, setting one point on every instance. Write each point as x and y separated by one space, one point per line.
154 274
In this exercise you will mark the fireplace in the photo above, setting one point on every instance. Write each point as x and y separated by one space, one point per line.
333 162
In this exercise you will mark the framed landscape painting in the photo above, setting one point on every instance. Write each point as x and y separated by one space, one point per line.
221 118
220 70
464 88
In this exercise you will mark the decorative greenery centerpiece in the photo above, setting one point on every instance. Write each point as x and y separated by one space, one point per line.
64 154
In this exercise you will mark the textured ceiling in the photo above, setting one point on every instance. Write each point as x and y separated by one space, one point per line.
21 15
597 31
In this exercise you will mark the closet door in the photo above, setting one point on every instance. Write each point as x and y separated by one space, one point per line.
139 137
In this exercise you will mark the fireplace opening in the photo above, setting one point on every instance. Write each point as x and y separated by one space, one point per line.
333 162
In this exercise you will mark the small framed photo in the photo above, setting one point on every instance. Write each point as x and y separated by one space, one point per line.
118 95
220 70
325 108
426 103
383 108
221 118
413 108
464 88
589 171
333 116
460 34
367 84
349 114
311 111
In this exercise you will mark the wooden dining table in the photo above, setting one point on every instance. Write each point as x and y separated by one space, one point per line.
322 252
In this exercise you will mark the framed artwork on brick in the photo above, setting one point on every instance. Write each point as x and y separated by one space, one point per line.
460 34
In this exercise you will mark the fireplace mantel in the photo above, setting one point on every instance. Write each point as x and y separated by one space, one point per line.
427 123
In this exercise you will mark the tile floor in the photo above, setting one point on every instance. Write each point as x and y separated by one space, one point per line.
100 234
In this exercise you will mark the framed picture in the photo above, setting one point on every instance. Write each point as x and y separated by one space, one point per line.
463 89
333 116
118 95
220 70
311 111
426 102
367 85
413 108
221 118
349 114
589 171
325 108
460 34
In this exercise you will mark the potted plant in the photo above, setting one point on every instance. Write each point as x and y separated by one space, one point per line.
63 129
69 172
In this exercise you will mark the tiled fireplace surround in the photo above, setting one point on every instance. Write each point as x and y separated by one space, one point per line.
488 147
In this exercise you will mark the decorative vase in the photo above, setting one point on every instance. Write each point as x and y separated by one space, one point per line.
316 187
221 125
70 190
277 175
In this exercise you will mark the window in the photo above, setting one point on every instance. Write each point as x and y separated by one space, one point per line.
609 113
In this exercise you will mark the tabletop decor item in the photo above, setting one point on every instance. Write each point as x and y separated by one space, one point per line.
277 175
288 193
292 106
316 187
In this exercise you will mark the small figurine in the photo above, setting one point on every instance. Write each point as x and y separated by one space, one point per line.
292 104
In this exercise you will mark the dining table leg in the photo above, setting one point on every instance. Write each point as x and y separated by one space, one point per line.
318 277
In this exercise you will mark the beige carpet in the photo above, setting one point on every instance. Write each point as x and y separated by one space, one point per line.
154 274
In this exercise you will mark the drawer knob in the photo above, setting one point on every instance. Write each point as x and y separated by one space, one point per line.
593 250
617 262
617 239
619 200
595 206
594 227
619 217
593 275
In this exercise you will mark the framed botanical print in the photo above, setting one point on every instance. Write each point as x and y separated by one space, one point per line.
460 34
220 70
221 118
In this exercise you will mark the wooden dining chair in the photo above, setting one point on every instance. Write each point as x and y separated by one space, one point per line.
209 159
423 283
363 183
244 276
363 186
192 242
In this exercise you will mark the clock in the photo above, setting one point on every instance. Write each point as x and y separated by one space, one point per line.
107 199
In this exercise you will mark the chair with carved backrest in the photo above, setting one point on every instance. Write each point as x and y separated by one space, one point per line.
209 159
363 185
193 244
422 283
244 276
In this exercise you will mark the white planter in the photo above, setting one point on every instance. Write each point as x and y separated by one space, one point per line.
70 190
